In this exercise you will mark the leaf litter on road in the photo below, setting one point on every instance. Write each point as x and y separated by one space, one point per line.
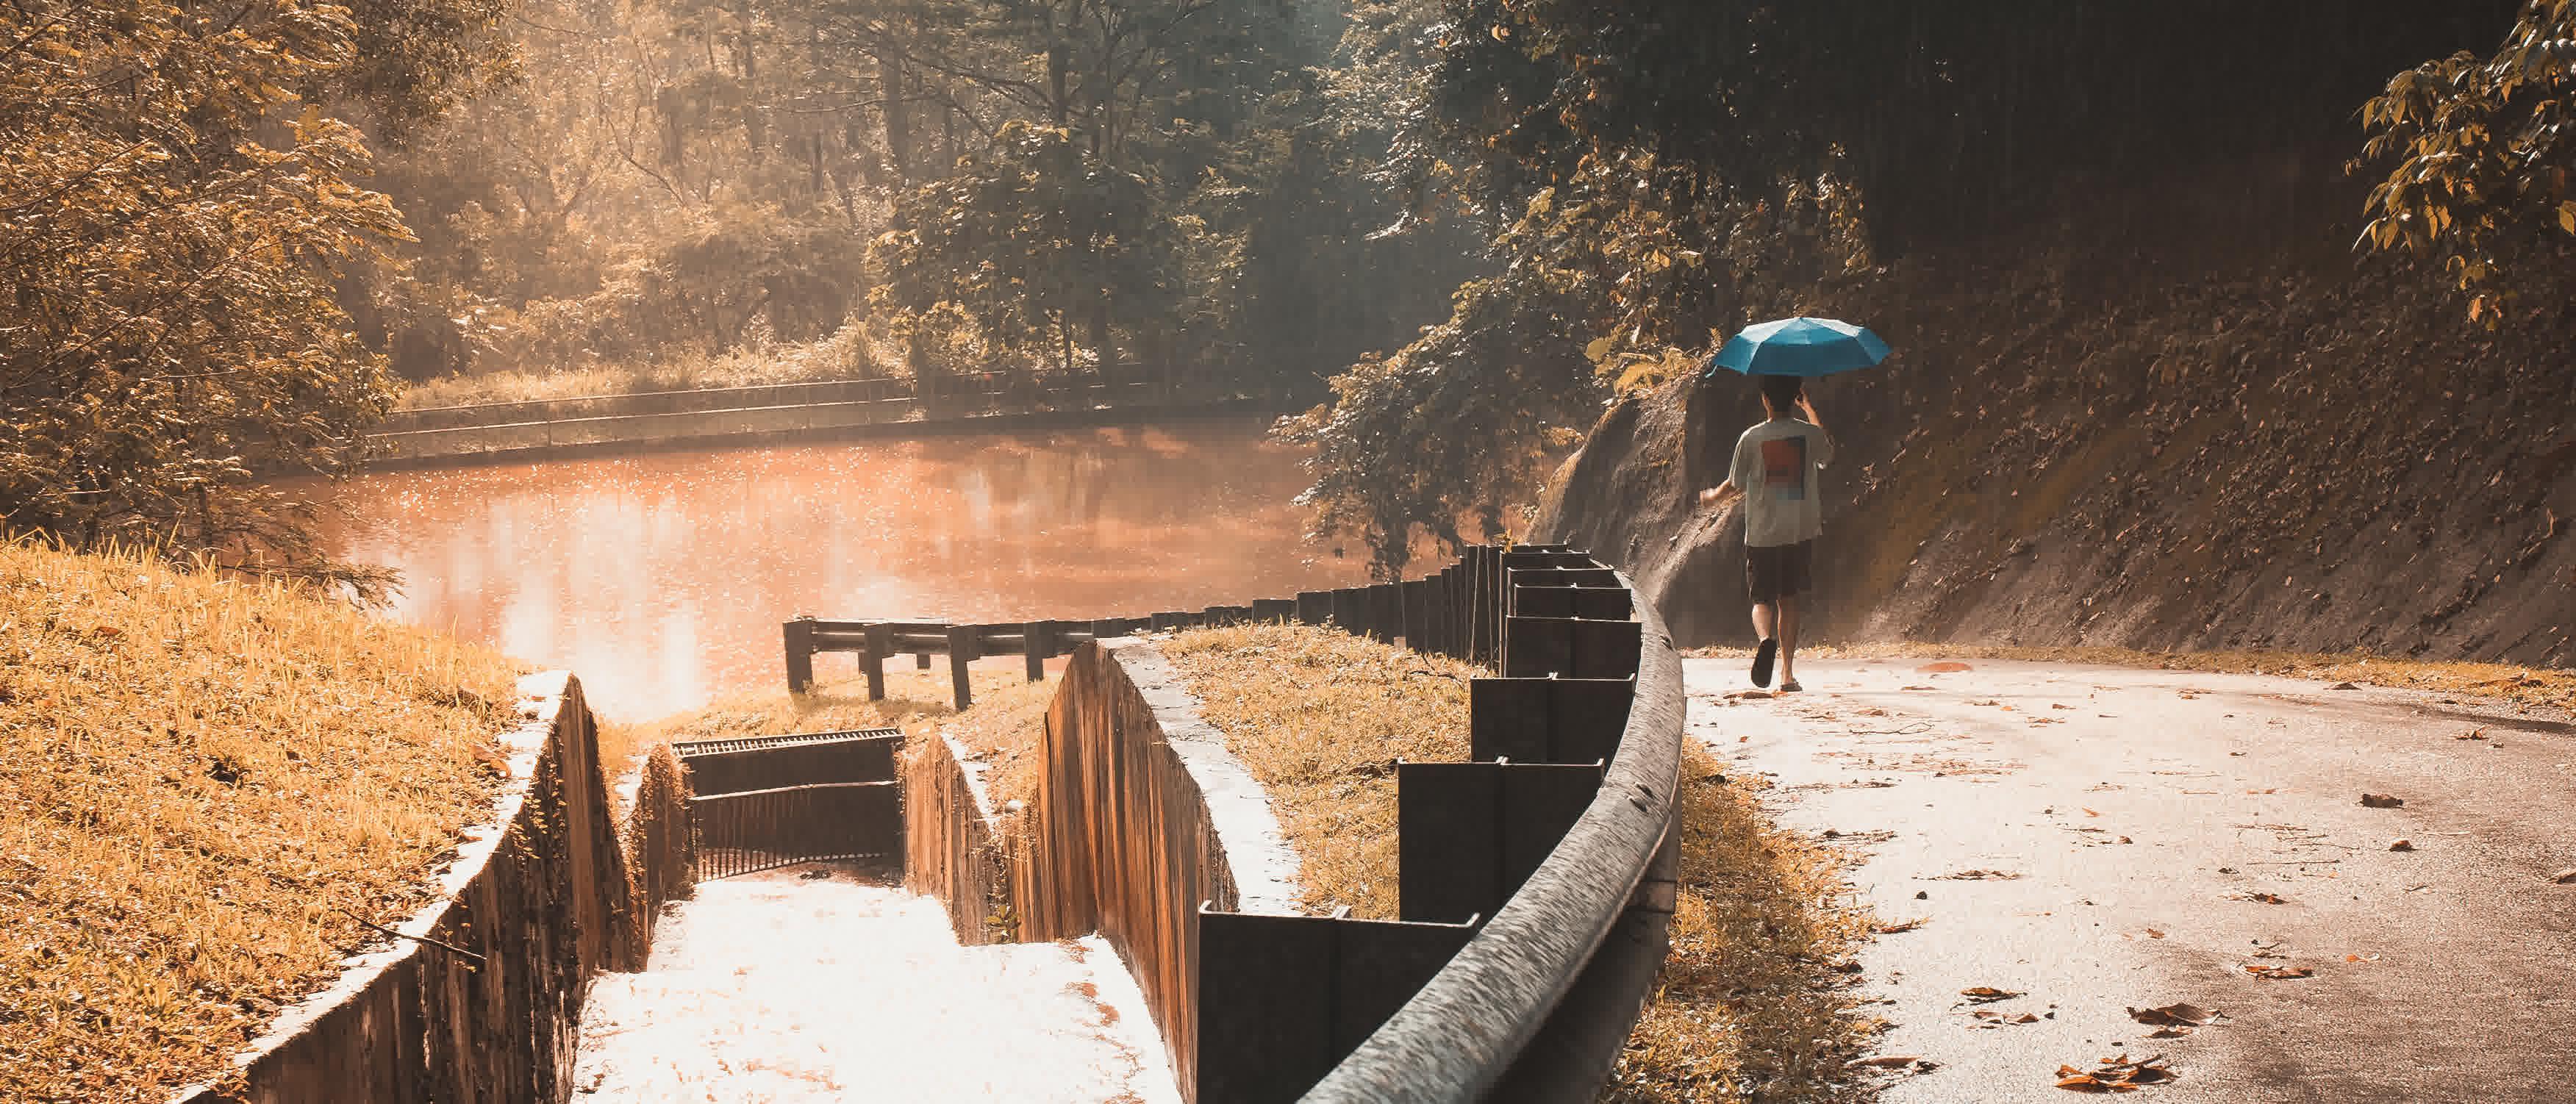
2115 1075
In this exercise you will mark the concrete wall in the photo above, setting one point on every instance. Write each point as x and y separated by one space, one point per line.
650 402
784 412
539 894
954 843
1141 815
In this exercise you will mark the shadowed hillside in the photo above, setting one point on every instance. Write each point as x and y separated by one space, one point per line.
2220 442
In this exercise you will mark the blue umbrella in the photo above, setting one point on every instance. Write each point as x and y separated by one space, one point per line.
1799 347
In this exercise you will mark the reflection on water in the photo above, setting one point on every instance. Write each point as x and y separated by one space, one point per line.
661 577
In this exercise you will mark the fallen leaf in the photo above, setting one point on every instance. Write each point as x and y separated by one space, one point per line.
1941 668
2174 1015
2056 705
2479 733
1985 994
2361 958
2266 790
1888 1061
2169 1033
1750 695
1901 926
2565 877
2381 801
2265 898
1914 688
2090 812
2344 686
2401 845
2280 973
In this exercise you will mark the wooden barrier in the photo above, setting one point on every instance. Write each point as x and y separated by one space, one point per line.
479 1001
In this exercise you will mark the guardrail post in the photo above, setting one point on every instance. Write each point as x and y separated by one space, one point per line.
800 654
1037 642
880 644
961 651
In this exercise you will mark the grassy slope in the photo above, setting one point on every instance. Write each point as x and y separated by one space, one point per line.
196 778
1319 717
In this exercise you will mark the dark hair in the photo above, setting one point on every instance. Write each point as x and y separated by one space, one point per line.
1781 391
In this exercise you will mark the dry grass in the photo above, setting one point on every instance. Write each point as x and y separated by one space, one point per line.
2519 684
197 776
1003 728
1750 1005
1319 717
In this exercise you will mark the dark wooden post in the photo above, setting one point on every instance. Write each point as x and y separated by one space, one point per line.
961 651
880 645
921 661
1037 641
800 654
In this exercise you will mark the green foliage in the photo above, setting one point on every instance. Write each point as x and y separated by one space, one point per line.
176 218
1028 242
1651 175
2479 152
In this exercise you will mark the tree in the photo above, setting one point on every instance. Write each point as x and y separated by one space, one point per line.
174 219
2479 153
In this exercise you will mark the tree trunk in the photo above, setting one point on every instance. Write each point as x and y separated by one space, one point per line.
898 116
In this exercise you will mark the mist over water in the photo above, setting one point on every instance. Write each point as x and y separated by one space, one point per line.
661 578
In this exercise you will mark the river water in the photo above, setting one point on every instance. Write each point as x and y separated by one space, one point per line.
661 577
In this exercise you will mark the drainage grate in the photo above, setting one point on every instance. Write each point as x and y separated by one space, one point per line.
688 748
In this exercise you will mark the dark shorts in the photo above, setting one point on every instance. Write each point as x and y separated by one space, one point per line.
1777 571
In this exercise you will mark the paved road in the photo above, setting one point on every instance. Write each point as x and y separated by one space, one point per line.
775 988
2134 816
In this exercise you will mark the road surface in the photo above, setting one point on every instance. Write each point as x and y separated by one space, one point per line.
2099 838
774 988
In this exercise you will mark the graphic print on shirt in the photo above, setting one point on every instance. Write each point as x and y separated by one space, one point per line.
1784 468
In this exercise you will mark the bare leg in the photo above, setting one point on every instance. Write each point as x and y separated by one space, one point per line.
1761 621
1788 639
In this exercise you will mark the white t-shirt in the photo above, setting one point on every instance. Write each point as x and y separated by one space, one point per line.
1775 466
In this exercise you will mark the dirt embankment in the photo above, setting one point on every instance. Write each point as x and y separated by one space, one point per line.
2141 450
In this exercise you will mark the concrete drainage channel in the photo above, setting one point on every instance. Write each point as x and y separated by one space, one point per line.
1535 882
1535 879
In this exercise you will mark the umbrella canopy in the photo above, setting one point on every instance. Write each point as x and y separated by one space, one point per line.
1800 347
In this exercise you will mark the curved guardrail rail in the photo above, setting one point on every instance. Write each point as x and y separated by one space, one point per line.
1539 1001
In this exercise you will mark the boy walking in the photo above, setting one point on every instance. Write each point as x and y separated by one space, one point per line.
1775 469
